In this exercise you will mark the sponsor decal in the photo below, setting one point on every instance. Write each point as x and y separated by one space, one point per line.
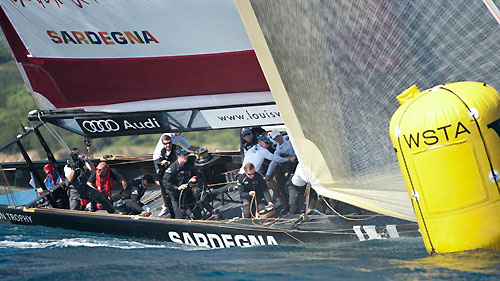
100 126
101 37
369 232
128 29
210 240
433 136
243 116
15 217
107 126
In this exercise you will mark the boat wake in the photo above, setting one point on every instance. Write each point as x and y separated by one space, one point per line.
20 242
28 238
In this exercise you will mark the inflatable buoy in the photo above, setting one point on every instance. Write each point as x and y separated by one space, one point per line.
447 141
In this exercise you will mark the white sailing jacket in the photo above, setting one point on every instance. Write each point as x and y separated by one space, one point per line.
284 148
257 154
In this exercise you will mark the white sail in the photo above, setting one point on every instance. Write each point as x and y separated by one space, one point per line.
190 58
335 68
122 56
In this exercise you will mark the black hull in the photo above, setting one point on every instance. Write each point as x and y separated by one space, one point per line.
213 234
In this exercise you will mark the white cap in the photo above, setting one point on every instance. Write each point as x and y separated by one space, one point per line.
275 133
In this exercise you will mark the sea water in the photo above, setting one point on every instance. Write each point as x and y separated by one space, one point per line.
42 253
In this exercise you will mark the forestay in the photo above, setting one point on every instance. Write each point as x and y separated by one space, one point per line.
337 67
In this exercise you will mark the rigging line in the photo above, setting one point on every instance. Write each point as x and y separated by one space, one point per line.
220 183
223 155
15 177
493 9
125 163
286 232
54 133
347 218
15 182
492 170
227 148
415 198
256 208
272 221
230 171
5 187
8 188
308 194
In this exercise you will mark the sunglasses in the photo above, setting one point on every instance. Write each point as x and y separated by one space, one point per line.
248 174
166 143
101 169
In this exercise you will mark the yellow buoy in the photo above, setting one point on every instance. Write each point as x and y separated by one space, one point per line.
447 141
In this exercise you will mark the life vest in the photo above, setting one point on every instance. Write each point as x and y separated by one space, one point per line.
50 169
105 184
54 176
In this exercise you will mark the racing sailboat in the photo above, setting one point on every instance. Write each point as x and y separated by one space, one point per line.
181 66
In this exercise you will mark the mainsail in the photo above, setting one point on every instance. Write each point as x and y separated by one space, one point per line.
163 65
337 67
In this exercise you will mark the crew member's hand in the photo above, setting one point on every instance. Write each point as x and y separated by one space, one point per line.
192 179
164 162
145 214
251 193
182 186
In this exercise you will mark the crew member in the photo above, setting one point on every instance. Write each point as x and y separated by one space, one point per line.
259 152
76 171
52 179
177 139
178 181
251 184
104 178
133 194
165 158
85 158
296 187
248 138
282 171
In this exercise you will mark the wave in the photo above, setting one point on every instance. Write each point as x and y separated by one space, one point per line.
20 242
15 242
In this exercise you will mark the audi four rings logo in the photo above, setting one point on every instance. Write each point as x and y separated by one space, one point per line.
100 126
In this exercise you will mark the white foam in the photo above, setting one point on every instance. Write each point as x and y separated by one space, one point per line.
79 242
22 245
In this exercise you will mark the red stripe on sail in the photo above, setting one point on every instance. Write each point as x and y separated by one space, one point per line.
88 82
